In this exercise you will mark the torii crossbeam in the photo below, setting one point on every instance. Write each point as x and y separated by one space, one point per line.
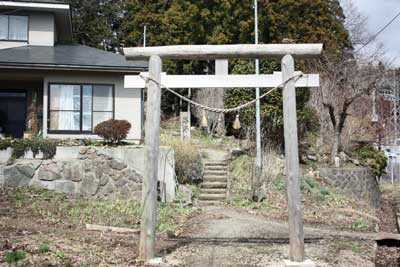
152 139
221 81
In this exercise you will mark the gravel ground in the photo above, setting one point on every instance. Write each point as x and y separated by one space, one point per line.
238 239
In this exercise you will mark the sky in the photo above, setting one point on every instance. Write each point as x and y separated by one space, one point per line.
379 13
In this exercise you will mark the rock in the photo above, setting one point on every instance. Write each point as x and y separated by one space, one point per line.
104 179
116 176
117 165
236 152
127 172
108 189
343 157
90 184
124 192
83 149
49 172
14 178
76 172
122 182
260 196
135 177
312 158
90 150
26 169
185 194
355 161
337 162
136 187
88 166
99 169
159 262
64 186
34 163
66 172
137 195
49 185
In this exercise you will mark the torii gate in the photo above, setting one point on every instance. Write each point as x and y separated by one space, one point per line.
211 52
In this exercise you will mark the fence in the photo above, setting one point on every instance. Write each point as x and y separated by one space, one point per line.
392 170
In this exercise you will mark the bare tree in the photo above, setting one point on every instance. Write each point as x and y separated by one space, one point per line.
344 83
357 25
347 83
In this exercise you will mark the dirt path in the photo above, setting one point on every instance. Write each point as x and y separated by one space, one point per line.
224 236
388 255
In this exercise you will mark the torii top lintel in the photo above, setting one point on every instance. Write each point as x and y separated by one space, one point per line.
209 52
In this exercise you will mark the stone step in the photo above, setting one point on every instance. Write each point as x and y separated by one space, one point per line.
212 190
222 179
205 203
215 173
212 196
216 168
215 163
214 185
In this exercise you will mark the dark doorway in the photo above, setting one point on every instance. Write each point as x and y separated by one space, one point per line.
13 113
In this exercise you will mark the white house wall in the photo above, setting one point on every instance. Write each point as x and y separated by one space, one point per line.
41 29
127 101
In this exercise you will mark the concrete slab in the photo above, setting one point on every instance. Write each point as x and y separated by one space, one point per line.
306 263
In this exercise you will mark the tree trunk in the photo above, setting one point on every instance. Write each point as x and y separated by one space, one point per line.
336 144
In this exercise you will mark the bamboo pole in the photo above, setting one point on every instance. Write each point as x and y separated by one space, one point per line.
296 234
152 141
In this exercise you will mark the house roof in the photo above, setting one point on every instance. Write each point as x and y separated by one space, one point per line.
38 1
67 57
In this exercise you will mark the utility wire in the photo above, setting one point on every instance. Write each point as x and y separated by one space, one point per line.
379 32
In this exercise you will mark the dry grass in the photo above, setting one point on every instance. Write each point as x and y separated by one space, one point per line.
322 204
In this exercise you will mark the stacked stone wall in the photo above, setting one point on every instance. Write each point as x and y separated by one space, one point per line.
93 173
358 183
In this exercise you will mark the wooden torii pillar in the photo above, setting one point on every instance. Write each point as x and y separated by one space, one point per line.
152 128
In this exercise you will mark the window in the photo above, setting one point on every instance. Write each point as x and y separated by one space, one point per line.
79 108
14 28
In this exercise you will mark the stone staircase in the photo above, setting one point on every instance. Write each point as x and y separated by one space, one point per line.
214 188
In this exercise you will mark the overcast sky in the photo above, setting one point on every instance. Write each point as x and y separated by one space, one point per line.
379 13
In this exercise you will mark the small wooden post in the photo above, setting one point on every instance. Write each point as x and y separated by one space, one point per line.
296 234
152 141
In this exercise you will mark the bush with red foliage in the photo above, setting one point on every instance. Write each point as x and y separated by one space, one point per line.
113 131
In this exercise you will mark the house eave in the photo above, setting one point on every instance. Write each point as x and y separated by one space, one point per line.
51 67
37 5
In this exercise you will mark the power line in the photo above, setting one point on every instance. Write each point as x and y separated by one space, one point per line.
379 32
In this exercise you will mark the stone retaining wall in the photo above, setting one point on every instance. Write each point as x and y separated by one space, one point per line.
356 182
93 173
132 156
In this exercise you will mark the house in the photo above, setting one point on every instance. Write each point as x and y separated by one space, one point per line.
49 85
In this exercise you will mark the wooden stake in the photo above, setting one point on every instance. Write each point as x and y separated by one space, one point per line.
152 141
296 234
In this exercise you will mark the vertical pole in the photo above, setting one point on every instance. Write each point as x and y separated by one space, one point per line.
190 115
221 68
152 141
258 116
144 35
296 234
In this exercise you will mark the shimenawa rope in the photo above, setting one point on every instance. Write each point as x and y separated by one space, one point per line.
220 110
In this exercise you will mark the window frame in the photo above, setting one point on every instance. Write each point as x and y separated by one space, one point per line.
81 85
8 30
